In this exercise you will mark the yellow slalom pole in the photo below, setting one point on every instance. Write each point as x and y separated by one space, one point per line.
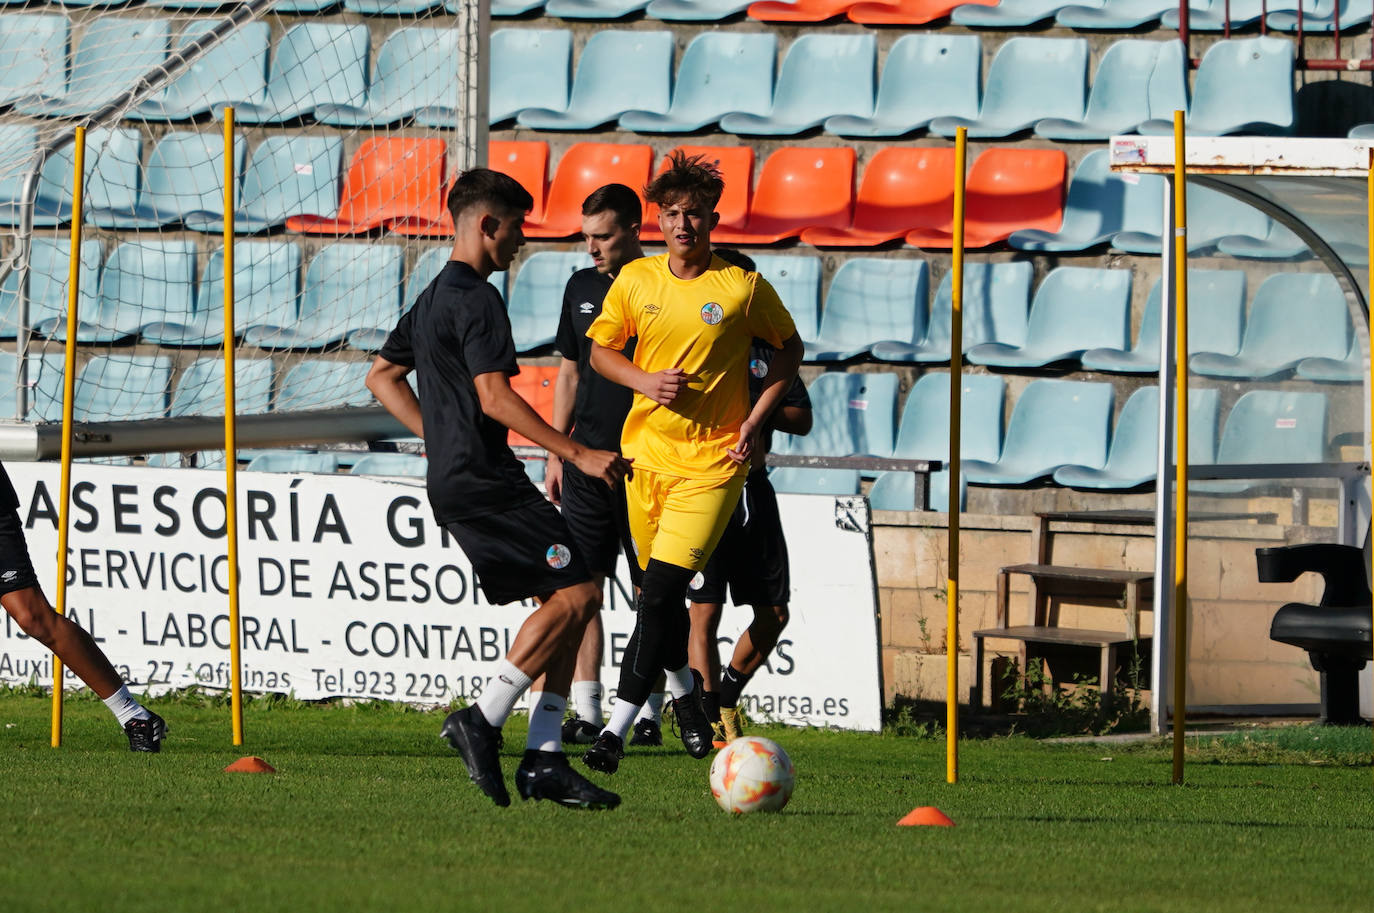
68 395
230 436
956 367
1369 219
1181 422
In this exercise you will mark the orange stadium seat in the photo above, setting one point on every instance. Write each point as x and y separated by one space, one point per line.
799 187
525 160
907 12
535 384
798 11
389 178
582 169
1008 190
903 188
736 164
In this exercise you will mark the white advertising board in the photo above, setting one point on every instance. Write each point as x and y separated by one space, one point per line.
349 589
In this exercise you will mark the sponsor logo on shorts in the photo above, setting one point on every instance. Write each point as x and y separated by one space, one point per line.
558 556
698 581
586 307
9 575
698 552
758 367
712 313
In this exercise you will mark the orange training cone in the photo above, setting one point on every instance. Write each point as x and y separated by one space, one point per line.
250 765
927 815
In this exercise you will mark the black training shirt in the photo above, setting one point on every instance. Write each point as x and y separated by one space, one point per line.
457 330
8 499
760 357
601 405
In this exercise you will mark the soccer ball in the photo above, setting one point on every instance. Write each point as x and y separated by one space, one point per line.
752 774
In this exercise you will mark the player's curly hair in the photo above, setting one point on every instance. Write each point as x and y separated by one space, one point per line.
689 178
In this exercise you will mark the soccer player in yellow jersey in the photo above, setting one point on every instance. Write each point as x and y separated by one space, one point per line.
690 431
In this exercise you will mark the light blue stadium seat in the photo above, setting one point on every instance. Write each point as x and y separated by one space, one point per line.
144 282
1100 205
617 71
924 77
1278 334
391 7
1135 81
266 277
500 7
1244 85
111 170
410 465
122 388
854 415
49 267
1319 16
1240 13
1212 215
1361 131
1349 369
1278 243
33 54
232 72
897 491
996 300
285 461
314 63
1008 14
46 374
1074 309
287 176
530 68
18 153
1116 15
721 72
823 75
802 481
185 176
348 287
413 78
1054 423
200 390
1134 452
870 301
694 10
1216 318
1030 79
1269 426
427 266
315 383
593 9
535 469
797 280
536 297
113 52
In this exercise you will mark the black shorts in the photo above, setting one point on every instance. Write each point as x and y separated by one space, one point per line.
16 570
752 554
521 552
596 517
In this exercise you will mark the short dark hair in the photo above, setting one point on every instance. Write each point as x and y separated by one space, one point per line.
737 258
484 187
616 198
688 177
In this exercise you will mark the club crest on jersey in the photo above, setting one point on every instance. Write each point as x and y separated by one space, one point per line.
586 307
712 313
758 367
558 556
698 581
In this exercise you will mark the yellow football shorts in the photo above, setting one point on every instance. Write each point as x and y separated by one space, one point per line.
677 520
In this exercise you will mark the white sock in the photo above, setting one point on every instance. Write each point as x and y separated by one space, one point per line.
586 698
124 707
679 681
622 718
502 692
653 708
546 721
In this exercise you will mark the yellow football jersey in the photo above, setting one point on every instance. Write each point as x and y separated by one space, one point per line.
703 326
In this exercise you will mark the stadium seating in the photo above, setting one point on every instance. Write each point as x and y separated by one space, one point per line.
1278 243
536 296
1216 316
801 481
294 461
593 9
720 73
47 373
143 282
1134 452
1074 309
348 287
799 187
111 170
1054 423
924 77
316 383
1008 14
1135 80
266 277
1222 15
871 301
391 7
1008 190
391 464
1269 426
33 54
530 68
233 71
1117 15
1030 79
427 266
500 7
286 176
200 390
1321 16
535 384
906 12
113 52
1279 335
583 168
1100 205
315 63
184 176
798 10
114 388
854 414
822 75
49 267
694 10
903 187
18 147
390 178
413 78
996 297
1243 85
1331 370
797 280
736 166
617 71
1212 215
525 160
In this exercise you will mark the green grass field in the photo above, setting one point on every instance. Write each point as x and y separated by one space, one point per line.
371 811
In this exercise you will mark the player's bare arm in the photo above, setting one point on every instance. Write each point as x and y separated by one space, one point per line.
781 372
791 420
660 386
501 403
564 396
387 381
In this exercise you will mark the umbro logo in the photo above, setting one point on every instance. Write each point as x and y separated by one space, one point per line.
698 552
651 308
586 307
9 575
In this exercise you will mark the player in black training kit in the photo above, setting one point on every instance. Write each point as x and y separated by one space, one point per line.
457 338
